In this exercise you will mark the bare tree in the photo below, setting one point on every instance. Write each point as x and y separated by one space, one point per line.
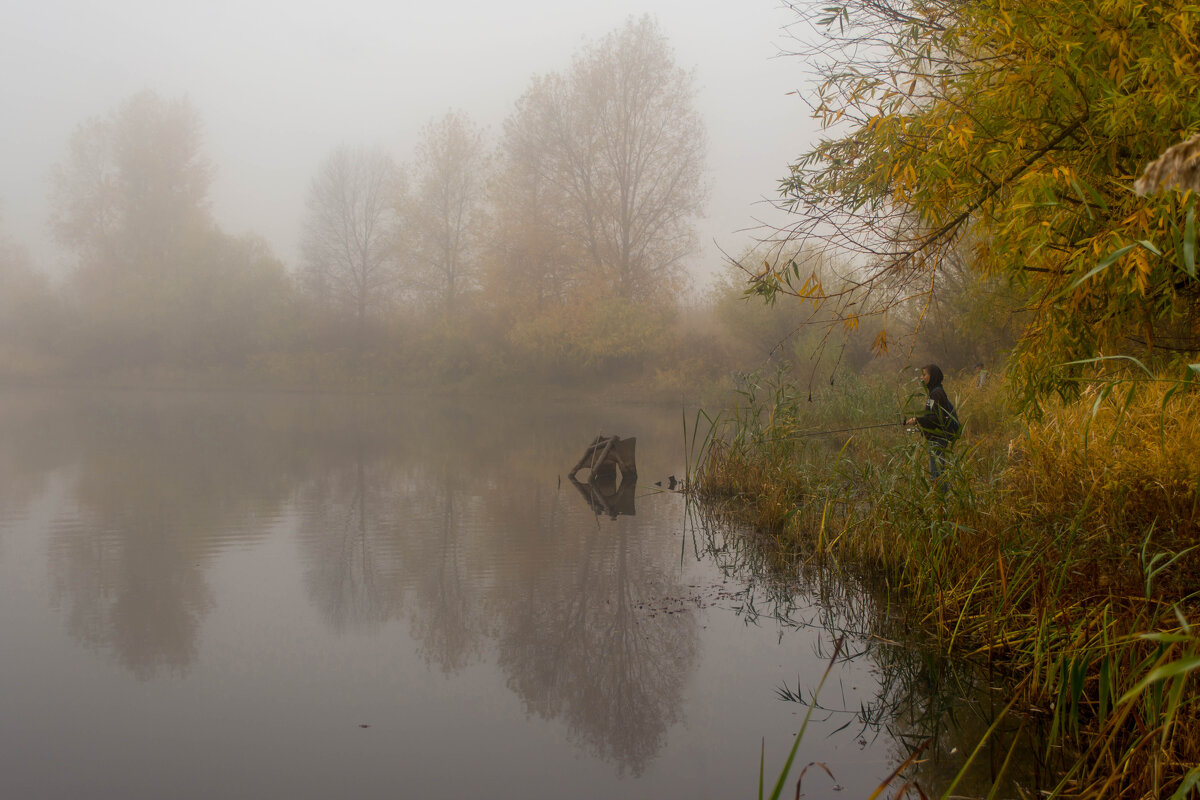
442 215
350 233
616 150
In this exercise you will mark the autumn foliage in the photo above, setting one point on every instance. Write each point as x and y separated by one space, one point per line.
1009 133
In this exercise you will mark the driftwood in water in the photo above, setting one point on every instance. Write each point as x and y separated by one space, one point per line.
605 456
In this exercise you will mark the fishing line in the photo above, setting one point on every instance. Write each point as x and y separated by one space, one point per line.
830 433
840 430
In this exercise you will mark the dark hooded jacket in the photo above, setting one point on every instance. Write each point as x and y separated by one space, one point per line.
939 423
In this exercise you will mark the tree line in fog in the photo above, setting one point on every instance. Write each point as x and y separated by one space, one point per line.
556 251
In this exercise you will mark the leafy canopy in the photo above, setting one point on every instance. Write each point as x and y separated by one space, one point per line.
1011 132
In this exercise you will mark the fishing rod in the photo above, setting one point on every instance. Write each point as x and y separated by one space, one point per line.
841 430
830 433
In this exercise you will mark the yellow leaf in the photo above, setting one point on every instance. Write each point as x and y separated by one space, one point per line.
880 345
1142 262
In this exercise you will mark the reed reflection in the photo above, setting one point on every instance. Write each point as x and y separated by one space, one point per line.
923 700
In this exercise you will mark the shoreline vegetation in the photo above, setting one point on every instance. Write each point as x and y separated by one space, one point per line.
1063 555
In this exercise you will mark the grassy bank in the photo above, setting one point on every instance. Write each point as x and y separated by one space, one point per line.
1064 551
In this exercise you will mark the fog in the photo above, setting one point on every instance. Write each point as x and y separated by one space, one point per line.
278 84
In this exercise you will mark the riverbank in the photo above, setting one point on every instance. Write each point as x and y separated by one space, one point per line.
1063 551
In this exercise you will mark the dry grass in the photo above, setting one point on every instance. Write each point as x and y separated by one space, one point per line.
1067 556
1126 473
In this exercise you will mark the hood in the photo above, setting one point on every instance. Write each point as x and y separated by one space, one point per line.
935 375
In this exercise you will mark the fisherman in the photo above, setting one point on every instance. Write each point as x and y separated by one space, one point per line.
939 423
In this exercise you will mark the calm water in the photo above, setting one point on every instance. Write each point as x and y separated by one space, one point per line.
223 596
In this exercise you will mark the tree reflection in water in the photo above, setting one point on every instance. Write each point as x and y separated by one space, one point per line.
448 520
153 482
592 644
346 515
436 516
479 558
381 540
32 451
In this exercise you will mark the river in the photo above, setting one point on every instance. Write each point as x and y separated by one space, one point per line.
208 595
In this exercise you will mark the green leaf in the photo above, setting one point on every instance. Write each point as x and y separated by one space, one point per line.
1166 638
1191 782
1149 245
1104 264
1171 670
1089 196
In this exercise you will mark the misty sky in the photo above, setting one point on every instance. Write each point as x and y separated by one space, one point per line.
279 83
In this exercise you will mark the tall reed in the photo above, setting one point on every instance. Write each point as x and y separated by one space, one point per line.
1063 552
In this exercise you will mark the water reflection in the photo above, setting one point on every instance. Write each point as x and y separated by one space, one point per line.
346 517
478 556
433 516
950 707
604 496
450 606
31 453
596 644
156 488
924 702
449 522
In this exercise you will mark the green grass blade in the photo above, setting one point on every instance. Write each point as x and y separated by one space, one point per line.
787 765
978 748
1189 786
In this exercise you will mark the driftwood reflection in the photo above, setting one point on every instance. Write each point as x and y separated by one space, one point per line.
605 497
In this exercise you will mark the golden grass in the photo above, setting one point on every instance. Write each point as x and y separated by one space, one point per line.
1067 555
